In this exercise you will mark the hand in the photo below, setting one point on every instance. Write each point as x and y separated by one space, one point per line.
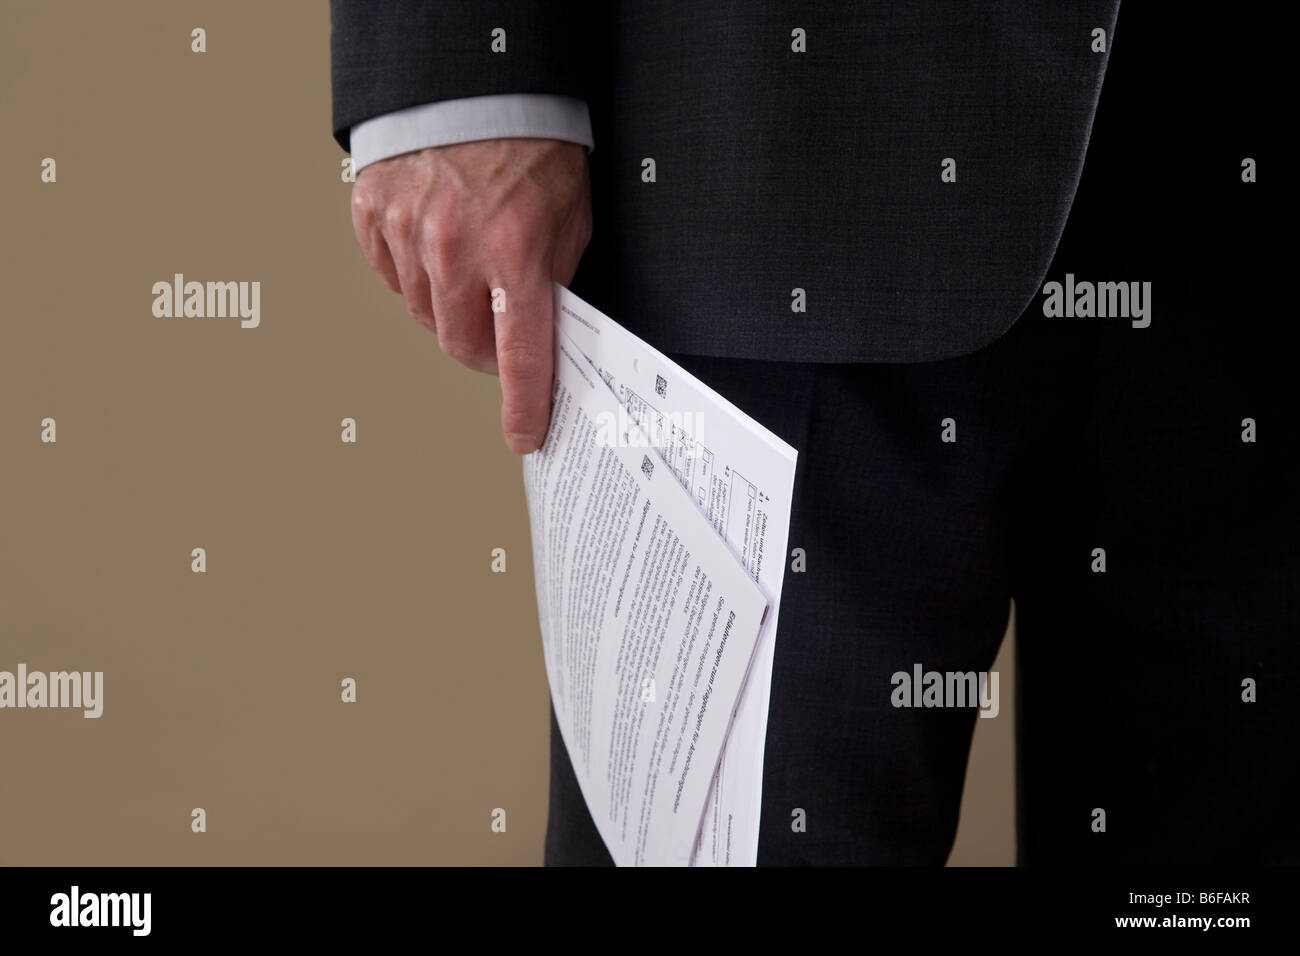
446 226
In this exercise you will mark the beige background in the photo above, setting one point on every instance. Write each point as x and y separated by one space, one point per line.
325 560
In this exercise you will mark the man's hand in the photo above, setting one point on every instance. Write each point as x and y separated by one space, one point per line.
447 225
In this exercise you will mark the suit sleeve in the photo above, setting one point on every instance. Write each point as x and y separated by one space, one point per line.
398 54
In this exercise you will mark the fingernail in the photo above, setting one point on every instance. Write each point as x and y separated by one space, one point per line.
522 444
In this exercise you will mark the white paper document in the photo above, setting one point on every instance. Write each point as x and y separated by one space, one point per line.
660 518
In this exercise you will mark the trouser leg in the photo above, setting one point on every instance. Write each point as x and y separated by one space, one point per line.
905 541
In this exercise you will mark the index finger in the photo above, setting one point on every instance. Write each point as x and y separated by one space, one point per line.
522 312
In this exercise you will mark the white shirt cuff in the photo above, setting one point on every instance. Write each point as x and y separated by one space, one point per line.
475 117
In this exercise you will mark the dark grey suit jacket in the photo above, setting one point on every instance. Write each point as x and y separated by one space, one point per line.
778 170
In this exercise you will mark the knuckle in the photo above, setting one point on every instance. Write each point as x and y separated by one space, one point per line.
397 219
522 361
512 235
444 247
363 216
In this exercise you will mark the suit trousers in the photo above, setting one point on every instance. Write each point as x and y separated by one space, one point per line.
1152 557
1130 482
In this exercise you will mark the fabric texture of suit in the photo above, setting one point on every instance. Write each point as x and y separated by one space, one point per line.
777 170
